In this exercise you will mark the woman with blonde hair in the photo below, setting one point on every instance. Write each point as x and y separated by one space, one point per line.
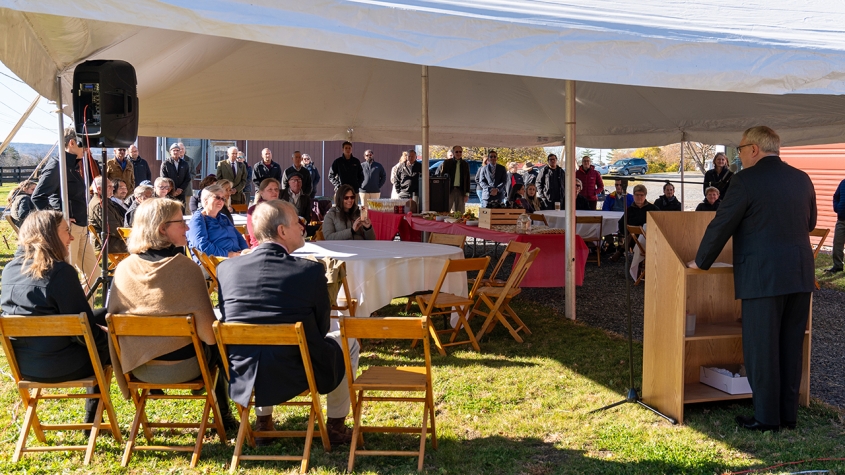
158 279
227 186
404 158
20 201
268 190
38 282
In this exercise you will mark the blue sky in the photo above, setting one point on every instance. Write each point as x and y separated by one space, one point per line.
15 97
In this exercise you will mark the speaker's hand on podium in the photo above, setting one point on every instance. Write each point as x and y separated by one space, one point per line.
692 265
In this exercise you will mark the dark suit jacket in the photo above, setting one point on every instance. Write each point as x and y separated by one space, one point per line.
269 286
224 172
771 248
448 168
180 173
304 208
488 181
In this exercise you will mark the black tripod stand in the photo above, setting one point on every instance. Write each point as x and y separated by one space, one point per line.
633 396
104 278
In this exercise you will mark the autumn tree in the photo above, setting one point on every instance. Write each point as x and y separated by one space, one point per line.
699 153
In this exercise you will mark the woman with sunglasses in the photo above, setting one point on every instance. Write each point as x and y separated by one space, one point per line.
211 231
581 201
344 222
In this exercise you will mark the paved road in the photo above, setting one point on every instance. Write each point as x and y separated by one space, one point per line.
693 194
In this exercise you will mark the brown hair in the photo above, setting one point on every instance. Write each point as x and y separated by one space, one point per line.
39 238
22 186
353 212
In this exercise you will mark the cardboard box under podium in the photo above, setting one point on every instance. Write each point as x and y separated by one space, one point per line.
723 382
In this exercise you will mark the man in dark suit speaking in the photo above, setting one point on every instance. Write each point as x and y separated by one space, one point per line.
773 272
269 286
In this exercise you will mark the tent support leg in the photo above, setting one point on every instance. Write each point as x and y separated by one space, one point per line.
569 153
424 198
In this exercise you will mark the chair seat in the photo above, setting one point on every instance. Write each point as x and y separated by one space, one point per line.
135 383
392 378
489 282
77 383
447 300
497 291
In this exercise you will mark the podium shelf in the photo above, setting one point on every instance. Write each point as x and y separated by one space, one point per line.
700 392
711 271
712 331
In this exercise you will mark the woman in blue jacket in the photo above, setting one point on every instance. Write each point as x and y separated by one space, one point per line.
210 230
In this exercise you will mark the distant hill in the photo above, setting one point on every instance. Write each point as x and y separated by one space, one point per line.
37 150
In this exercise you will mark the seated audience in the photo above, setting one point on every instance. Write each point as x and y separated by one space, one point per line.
293 194
581 201
268 190
269 286
636 217
20 201
229 192
531 201
114 219
343 222
667 201
517 195
163 187
195 202
119 193
612 202
158 279
210 230
711 200
38 282
142 193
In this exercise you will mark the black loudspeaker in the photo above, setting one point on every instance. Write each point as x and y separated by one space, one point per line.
438 189
105 103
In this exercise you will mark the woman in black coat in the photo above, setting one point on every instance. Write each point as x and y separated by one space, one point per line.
38 282
719 176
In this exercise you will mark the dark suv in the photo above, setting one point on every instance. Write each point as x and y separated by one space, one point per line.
629 166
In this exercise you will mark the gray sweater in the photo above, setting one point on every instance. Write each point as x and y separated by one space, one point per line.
336 228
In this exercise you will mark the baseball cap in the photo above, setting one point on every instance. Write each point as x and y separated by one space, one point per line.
174 145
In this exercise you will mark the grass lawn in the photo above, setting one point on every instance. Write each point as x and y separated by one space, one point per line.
512 409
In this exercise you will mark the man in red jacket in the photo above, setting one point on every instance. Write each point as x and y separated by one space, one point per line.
591 180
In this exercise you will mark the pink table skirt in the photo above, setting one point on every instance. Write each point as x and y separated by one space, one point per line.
548 269
386 225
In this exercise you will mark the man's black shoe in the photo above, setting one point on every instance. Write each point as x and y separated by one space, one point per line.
788 425
832 270
751 423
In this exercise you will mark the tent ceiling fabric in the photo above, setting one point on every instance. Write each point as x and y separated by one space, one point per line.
649 72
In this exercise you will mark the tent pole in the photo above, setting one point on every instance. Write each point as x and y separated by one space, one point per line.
569 152
424 176
62 157
682 171
18 126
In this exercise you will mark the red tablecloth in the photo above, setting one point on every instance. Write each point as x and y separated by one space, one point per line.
386 225
548 269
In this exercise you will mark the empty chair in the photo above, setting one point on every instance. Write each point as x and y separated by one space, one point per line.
636 232
819 233
595 239
518 249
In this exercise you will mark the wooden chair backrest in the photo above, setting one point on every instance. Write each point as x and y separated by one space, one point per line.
347 294
94 233
241 228
264 335
591 220
124 232
207 263
457 240
12 224
17 326
636 232
820 233
459 265
513 247
318 235
394 328
520 269
539 217
240 208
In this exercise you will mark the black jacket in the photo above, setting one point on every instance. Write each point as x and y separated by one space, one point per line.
261 172
346 172
58 293
530 176
705 206
636 215
582 203
48 195
304 208
511 180
21 206
268 286
497 179
315 178
374 177
180 173
142 171
550 185
721 180
668 205
303 173
448 167
771 252
407 180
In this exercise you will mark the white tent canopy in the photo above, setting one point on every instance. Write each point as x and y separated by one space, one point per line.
649 72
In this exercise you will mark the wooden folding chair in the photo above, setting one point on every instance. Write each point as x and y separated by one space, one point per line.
210 266
114 258
389 379
345 303
12 224
817 232
456 240
242 229
596 240
14 326
503 296
167 326
514 247
635 232
274 335
442 303
241 208
124 232
538 217
318 234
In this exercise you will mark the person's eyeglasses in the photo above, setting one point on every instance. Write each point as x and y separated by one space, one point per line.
163 187
177 221
121 150
368 155
458 152
348 198
219 198
739 147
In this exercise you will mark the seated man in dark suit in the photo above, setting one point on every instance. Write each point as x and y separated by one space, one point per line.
269 286
295 195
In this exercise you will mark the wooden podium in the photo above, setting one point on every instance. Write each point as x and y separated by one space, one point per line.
671 360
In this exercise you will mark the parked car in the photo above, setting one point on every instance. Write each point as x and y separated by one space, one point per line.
629 166
602 169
